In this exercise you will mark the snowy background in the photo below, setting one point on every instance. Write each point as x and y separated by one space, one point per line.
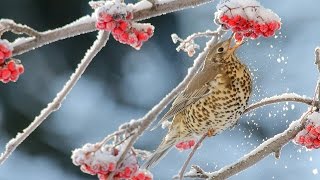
122 84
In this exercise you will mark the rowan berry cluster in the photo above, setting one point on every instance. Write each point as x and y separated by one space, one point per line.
310 135
185 145
10 70
116 17
102 161
243 27
247 19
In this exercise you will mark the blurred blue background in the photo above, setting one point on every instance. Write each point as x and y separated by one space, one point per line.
122 84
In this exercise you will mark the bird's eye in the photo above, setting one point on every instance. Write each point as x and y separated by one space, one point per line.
220 49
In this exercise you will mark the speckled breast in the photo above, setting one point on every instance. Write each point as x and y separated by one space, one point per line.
223 106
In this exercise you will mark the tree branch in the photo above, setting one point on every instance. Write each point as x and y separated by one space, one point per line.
86 24
272 145
56 103
286 97
9 25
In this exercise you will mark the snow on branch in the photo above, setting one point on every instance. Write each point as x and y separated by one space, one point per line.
286 97
9 25
86 24
60 97
272 145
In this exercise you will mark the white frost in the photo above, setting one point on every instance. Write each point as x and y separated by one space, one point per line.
163 1
144 4
246 8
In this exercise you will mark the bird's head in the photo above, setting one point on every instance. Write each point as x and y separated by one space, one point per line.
223 50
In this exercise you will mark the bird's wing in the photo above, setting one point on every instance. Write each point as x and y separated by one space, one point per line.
196 89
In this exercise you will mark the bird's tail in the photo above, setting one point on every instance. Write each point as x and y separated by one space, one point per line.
161 151
177 132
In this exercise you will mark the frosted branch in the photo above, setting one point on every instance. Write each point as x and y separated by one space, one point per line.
86 24
286 97
9 25
188 45
317 55
56 103
272 145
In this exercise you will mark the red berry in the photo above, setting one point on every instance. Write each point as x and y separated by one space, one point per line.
123 25
264 28
6 74
313 132
309 127
224 18
143 36
117 31
238 36
124 37
232 23
11 65
21 69
111 167
110 25
192 143
101 25
150 31
318 129
301 140
2 56
106 17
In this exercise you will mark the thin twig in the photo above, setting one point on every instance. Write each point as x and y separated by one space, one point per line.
86 24
194 149
281 98
56 103
317 57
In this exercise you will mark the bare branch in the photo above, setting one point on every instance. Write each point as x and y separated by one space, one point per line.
56 103
86 24
9 25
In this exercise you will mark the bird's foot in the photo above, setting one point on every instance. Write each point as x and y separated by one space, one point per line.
211 132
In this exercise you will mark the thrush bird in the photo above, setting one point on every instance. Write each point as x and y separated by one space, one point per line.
212 101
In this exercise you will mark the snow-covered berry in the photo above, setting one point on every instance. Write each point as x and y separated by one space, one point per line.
135 34
5 50
100 160
247 19
10 71
310 135
142 174
185 145
116 17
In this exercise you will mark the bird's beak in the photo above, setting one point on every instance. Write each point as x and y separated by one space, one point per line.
237 45
230 41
